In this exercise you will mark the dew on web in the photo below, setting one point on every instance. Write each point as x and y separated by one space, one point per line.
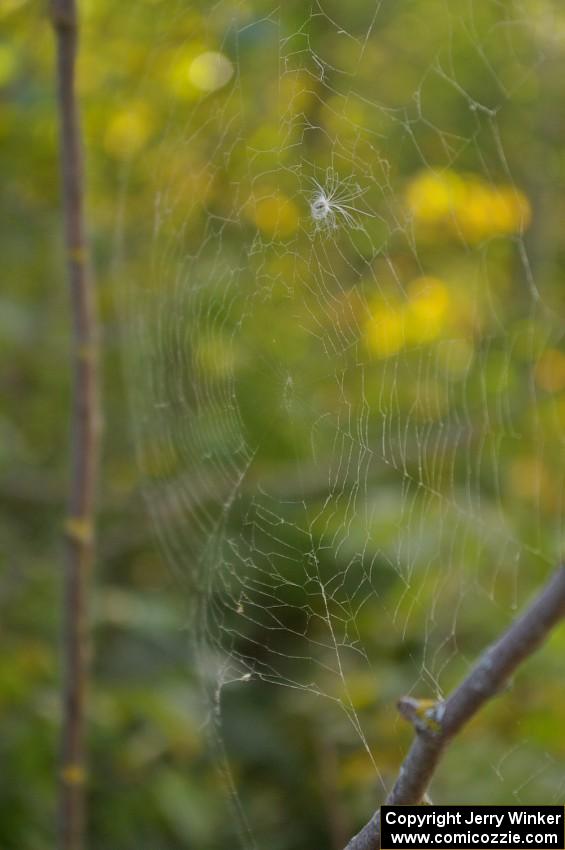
345 359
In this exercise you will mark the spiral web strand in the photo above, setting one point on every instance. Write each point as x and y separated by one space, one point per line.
351 436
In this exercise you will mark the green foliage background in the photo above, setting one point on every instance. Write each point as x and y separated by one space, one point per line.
153 781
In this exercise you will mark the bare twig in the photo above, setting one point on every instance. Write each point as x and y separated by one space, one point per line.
85 437
485 680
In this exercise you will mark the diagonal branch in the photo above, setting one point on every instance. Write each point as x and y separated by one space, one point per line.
484 681
85 422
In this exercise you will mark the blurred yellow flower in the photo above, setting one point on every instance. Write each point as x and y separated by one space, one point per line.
510 210
467 204
427 309
488 211
433 197
420 319
385 331
473 213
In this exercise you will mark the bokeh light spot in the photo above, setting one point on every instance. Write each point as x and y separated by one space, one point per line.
210 71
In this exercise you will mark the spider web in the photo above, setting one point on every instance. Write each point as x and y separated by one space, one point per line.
350 426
